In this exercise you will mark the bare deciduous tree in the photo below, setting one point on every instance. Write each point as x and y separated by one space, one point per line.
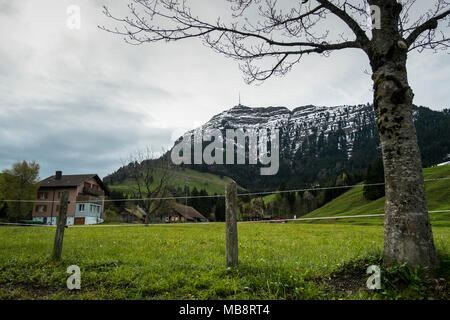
259 31
150 177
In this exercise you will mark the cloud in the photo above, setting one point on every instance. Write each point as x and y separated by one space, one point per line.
76 138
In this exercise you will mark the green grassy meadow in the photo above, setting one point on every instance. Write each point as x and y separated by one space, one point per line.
186 177
353 203
187 261
325 260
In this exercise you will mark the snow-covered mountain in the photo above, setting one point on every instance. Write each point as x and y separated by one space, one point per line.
299 124
320 142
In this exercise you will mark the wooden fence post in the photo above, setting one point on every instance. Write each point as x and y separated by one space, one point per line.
61 221
231 224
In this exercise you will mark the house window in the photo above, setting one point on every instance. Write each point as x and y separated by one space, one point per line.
41 208
81 207
95 209
42 195
57 208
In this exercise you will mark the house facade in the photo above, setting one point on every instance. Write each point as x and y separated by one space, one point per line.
86 195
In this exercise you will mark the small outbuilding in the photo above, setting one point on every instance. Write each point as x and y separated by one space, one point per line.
133 215
182 213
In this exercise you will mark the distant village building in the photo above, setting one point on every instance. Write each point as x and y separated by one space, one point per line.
133 215
444 163
86 193
180 213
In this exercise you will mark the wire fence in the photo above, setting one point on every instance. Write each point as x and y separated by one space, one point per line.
197 223
262 193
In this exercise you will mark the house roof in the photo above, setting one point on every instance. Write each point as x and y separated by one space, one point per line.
71 180
188 212
137 212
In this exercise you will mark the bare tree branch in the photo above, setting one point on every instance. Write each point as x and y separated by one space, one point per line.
281 37
422 33
344 16
429 25
172 20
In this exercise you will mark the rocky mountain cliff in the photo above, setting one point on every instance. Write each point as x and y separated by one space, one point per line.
300 124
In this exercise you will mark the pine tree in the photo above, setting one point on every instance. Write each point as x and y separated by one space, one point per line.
374 174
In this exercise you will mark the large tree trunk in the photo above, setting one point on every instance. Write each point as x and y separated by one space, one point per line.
407 231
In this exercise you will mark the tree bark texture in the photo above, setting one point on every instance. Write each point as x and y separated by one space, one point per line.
60 226
231 224
407 230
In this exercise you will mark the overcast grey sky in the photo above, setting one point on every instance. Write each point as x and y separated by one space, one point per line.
81 100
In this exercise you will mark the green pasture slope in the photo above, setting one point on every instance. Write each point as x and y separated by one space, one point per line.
353 203
201 180
187 261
